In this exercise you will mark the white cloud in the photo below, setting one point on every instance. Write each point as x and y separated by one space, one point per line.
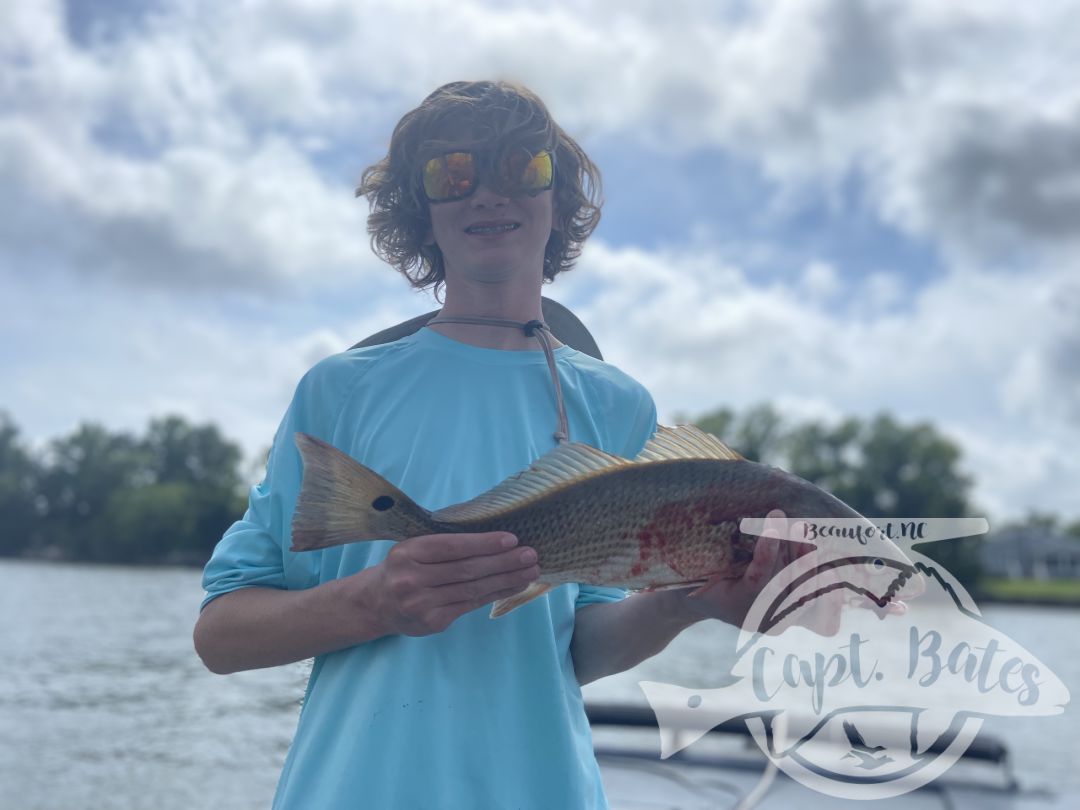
969 354
959 117
879 292
95 350
180 154
692 327
820 280
134 161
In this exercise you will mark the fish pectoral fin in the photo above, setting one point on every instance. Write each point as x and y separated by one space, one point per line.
504 606
711 582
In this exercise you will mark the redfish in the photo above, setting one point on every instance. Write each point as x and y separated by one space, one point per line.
668 518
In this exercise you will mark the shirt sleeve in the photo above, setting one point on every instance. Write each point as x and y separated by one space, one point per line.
642 428
253 552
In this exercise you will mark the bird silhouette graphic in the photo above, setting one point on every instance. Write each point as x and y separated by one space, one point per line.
863 752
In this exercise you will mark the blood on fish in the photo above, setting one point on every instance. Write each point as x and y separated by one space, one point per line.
645 551
671 530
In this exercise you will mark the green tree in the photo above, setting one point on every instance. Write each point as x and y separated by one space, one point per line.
19 474
192 454
757 434
117 498
151 522
83 471
720 423
883 469
879 467
207 467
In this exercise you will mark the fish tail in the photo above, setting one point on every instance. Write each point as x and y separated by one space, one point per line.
342 501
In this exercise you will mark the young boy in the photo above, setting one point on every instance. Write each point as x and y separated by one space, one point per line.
417 699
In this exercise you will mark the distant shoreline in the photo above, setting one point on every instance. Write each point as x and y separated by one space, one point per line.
172 560
1036 593
1063 592
1029 602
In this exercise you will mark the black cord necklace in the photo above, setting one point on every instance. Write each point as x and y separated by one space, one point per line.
540 331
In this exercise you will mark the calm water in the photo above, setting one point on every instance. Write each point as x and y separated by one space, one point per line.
103 703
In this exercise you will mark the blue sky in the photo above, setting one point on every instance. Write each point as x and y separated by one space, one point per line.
840 207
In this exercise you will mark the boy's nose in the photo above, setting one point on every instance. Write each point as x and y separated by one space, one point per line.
485 195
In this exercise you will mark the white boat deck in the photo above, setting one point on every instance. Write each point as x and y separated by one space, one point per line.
726 770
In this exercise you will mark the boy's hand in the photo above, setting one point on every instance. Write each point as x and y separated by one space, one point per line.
730 600
426 582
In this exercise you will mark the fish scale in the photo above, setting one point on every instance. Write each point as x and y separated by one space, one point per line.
669 517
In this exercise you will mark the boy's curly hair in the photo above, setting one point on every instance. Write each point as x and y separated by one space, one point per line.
485 116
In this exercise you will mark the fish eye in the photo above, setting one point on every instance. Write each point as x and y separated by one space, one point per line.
382 503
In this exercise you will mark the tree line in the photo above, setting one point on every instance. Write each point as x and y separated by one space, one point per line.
169 494
877 466
96 495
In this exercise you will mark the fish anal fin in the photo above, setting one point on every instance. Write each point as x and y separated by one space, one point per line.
685 441
504 606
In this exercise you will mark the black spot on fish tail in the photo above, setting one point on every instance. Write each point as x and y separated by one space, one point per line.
382 503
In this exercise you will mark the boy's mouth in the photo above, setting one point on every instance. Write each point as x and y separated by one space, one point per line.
490 228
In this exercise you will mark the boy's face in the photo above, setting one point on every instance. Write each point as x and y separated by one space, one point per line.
493 235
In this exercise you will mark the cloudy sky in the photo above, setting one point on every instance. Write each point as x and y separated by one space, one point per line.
840 207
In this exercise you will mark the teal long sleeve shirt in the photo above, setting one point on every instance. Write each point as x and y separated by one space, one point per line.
487 714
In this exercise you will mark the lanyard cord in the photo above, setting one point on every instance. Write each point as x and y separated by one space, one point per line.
540 331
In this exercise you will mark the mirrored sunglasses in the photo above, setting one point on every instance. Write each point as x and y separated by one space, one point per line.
455 175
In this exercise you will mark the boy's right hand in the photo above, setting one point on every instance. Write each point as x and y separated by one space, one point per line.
426 582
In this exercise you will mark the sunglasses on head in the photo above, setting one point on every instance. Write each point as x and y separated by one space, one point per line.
455 175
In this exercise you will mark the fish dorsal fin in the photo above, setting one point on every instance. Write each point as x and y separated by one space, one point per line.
685 441
564 465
